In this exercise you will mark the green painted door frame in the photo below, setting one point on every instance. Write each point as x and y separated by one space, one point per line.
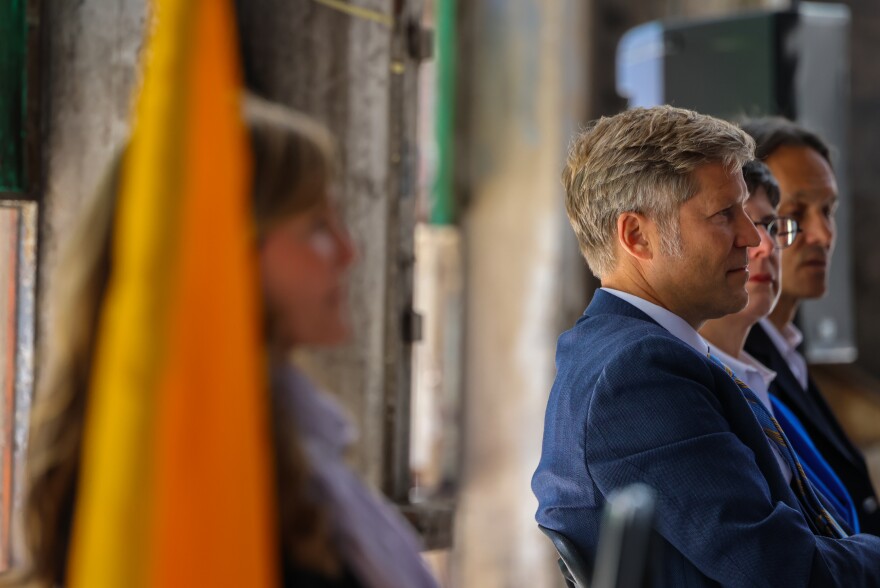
13 94
443 194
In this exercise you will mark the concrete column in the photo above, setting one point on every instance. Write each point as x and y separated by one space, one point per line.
90 68
522 71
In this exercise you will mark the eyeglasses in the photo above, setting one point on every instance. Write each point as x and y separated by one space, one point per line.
782 230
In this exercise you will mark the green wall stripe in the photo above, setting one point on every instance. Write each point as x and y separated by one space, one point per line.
443 199
13 40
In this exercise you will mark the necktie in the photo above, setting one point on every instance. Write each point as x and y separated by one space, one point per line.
819 471
818 517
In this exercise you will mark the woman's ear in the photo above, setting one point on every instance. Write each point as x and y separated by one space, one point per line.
636 235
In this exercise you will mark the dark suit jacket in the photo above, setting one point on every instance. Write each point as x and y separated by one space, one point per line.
633 403
827 434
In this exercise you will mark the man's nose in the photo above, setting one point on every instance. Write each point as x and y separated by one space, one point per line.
819 230
767 245
749 236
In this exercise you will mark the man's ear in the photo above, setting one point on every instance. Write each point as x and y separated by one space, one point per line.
635 233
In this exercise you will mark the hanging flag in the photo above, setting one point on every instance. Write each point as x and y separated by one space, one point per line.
176 483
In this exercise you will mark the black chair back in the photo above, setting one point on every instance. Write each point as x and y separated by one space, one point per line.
626 556
573 566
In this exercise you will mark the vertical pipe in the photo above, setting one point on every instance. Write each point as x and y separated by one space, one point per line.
7 417
442 205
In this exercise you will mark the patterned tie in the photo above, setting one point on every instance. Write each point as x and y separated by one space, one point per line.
818 517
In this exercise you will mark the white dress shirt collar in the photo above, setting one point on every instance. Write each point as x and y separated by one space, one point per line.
786 342
790 336
755 374
666 319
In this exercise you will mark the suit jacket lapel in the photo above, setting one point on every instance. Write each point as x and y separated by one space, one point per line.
741 418
788 389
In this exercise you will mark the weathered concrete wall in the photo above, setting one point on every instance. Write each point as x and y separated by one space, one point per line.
346 70
332 65
336 68
89 68
319 60
91 65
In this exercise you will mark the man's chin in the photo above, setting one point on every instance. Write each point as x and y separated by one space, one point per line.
809 292
734 304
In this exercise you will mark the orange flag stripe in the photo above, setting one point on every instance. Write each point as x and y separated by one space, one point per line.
214 515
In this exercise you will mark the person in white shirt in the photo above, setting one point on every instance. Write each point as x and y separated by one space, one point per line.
726 335
808 192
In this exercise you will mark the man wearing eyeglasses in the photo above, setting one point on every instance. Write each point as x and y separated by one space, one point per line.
800 162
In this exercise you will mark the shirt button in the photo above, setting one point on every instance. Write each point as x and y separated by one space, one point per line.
869 505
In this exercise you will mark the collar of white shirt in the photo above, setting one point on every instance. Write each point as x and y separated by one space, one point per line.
786 342
755 374
786 339
666 319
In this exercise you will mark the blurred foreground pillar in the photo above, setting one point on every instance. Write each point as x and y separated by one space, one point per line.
521 77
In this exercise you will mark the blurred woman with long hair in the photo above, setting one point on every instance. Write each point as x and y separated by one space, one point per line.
334 531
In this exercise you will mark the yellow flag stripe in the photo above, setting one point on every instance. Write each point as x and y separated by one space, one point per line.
108 547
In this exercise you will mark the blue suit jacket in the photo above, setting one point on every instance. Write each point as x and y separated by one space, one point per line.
633 403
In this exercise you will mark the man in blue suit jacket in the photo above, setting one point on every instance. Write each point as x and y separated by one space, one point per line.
655 197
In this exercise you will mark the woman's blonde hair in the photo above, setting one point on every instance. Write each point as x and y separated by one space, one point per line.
294 161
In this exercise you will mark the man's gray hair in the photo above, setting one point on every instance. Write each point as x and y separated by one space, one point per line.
642 160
